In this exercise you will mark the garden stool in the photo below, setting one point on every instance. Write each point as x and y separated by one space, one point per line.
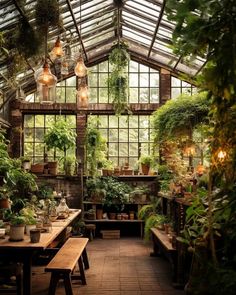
90 230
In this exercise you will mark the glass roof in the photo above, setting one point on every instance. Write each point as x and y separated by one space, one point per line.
143 24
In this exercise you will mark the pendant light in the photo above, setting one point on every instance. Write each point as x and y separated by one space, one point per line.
57 51
82 95
46 84
67 61
80 68
46 81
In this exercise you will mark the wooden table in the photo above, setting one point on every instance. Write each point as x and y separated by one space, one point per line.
23 251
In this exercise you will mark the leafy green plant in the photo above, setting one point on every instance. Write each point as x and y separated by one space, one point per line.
146 160
29 215
117 194
60 136
17 219
178 117
150 214
95 147
118 78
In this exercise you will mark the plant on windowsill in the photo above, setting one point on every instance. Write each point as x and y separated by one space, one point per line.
146 161
60 136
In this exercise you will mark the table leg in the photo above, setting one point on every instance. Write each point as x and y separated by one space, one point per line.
27 274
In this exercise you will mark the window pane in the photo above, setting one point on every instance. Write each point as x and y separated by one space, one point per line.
113 121
133 149
103 121
123 135
29 121
113 135
93 95
154 95
154 80
39 121
113 149
123 149
133 95
133 135
144 95
144 80
133 122
133 80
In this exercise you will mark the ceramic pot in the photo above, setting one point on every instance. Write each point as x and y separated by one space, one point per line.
35 235
17 232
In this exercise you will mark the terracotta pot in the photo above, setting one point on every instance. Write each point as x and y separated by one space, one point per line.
145 169
99 213
52 167
5 204
112 215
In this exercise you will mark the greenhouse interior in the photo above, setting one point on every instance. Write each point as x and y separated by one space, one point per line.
118 147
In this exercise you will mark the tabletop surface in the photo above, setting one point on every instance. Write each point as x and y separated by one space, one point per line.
45 238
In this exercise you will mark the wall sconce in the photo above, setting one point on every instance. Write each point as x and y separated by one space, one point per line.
57 50
46 84
80 68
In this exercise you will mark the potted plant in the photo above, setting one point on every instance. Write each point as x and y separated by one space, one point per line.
17 227
4 198
145 162
59 136
30 219
69 165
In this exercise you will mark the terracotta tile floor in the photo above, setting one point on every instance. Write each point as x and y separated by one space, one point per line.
117 267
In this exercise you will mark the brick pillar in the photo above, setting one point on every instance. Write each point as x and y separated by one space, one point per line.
165 86
16 120
81 121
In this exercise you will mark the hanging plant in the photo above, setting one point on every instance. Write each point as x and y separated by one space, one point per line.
118 78
27 40
47 14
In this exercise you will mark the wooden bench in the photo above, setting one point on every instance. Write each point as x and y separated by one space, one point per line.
64 262
162 245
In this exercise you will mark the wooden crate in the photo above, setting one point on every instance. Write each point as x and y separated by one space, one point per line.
110 234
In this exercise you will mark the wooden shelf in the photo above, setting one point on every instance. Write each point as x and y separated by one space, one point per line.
114 220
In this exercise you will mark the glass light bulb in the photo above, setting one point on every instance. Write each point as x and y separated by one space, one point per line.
46 77
80 68
221 155
57 50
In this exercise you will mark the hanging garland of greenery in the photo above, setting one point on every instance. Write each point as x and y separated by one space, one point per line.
118 78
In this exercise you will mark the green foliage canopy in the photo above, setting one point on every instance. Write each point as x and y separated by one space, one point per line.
180 116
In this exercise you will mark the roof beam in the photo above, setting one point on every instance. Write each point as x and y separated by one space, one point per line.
157 27
77 28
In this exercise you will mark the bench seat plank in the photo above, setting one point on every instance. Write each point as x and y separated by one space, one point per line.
163 238
68 255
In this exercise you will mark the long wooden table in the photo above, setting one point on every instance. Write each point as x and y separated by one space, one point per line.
23 251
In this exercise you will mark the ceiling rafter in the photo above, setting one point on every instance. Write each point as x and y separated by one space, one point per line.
77 29
157 26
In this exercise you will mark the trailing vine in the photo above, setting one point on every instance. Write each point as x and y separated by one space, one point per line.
118 78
